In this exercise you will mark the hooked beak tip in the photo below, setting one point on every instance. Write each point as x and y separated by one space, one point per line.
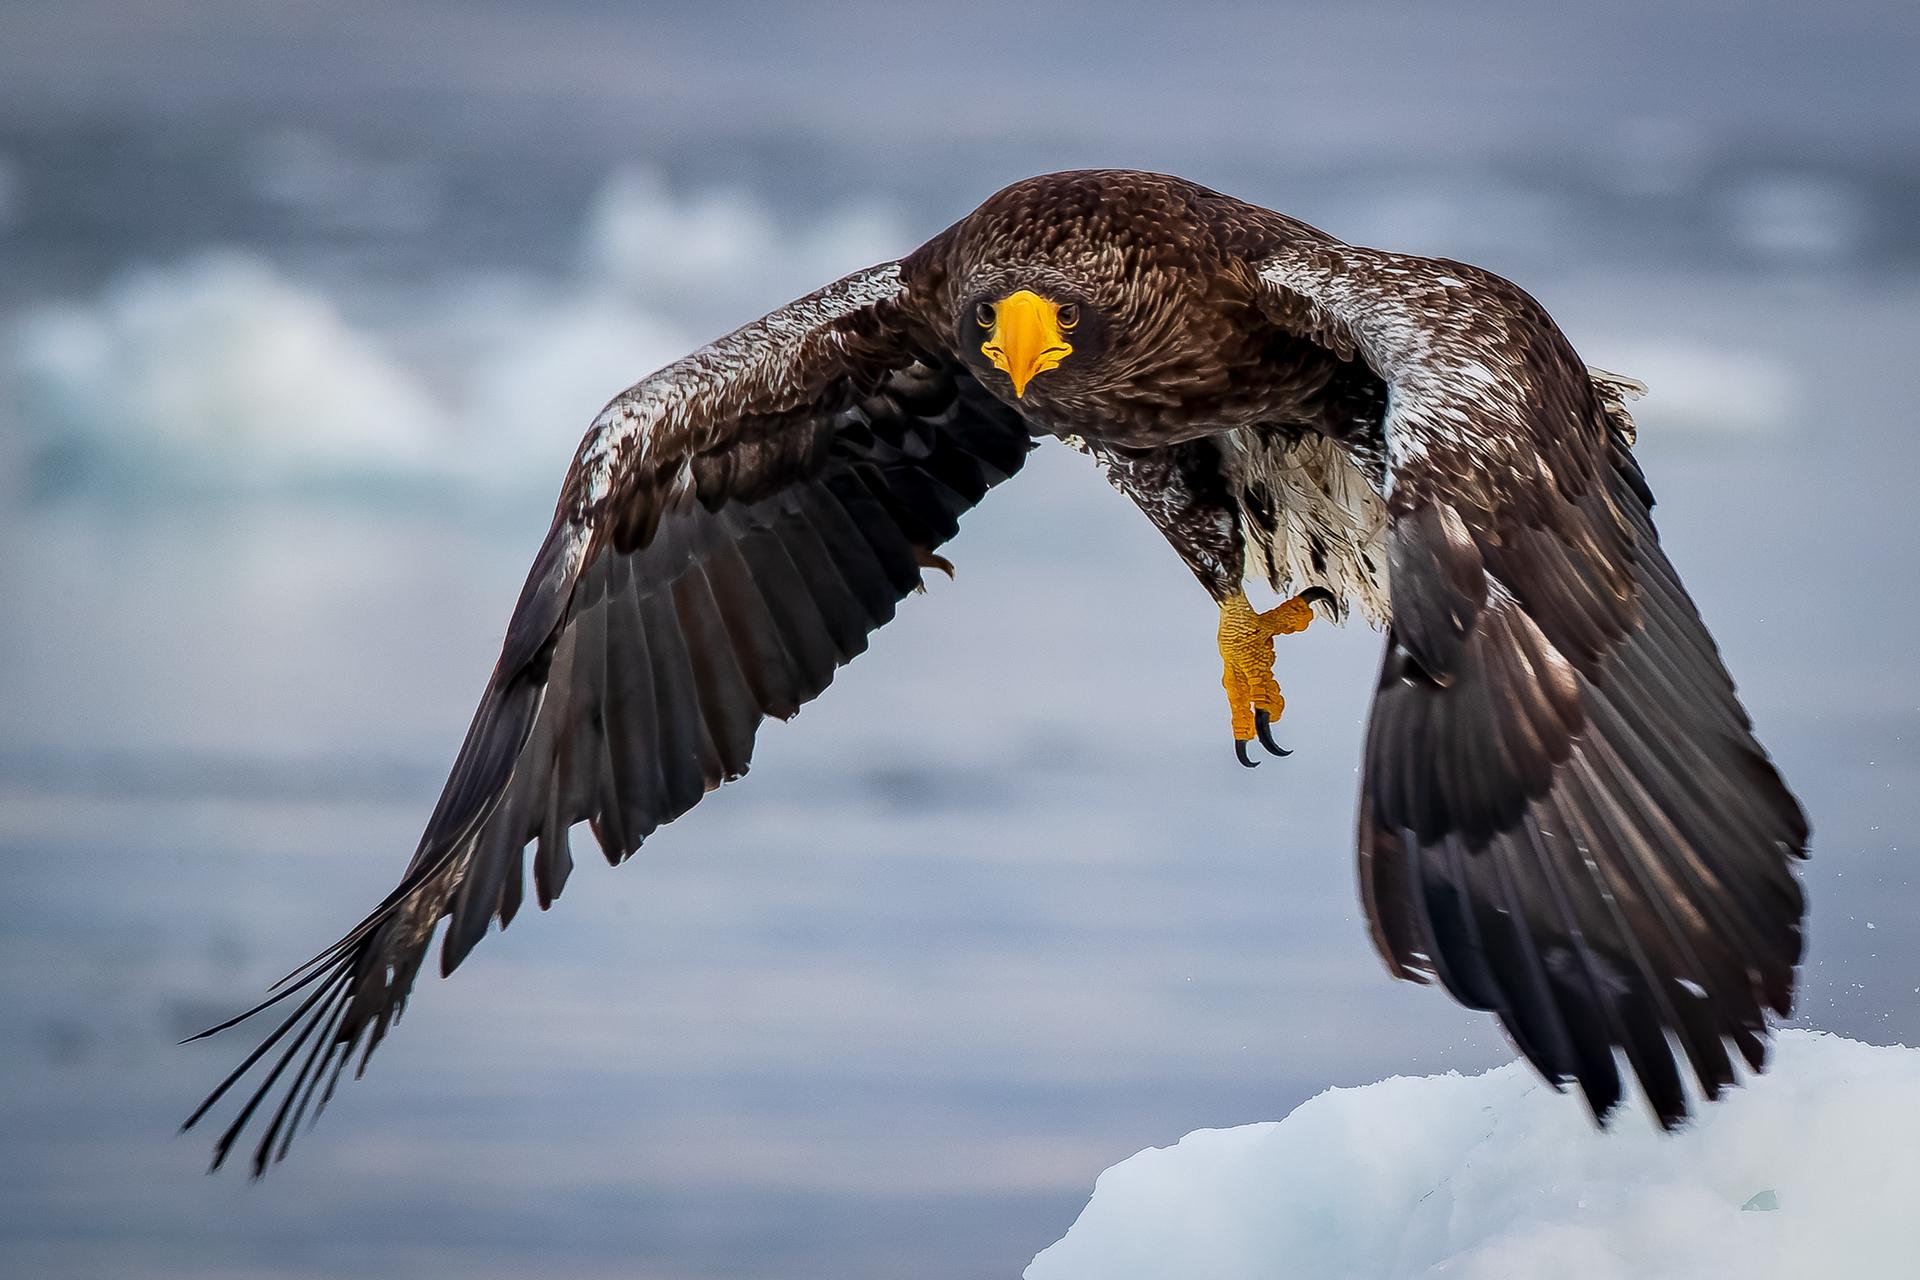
1026 339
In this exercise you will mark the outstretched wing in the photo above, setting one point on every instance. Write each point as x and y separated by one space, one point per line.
1564 815
732 530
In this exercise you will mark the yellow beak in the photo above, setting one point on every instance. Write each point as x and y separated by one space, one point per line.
1025 339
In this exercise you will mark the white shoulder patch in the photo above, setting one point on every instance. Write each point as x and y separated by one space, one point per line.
1442 336
754 360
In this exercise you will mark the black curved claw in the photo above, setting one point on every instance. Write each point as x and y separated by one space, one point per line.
1263 725
1240 749
1322 596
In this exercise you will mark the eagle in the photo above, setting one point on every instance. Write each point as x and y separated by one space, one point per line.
1564 816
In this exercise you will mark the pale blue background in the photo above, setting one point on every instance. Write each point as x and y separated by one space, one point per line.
999 910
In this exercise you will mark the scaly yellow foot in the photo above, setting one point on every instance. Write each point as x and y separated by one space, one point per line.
1246 654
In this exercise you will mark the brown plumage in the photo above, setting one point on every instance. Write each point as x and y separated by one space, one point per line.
1564 815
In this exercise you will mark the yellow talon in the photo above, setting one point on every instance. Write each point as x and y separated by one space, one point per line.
1246 656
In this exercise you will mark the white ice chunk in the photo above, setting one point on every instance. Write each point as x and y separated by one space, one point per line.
1495 1176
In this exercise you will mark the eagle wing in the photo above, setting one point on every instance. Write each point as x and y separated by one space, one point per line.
732 530
1564 815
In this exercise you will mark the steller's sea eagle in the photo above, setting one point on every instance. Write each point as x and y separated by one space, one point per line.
1564 815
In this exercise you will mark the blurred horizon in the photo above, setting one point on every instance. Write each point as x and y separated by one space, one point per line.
302 312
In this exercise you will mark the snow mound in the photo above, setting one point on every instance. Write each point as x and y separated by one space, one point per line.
1811 1170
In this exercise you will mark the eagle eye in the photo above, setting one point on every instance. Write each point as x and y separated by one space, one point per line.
1067 316
984 314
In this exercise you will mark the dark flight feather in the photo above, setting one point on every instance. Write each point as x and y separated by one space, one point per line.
632 683
1565 817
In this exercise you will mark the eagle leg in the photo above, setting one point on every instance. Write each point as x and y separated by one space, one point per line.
1246 657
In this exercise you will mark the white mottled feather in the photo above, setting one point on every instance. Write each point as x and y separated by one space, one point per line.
1321 501
1615 390
760 359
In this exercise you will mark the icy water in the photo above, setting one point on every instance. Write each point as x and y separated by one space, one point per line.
998 910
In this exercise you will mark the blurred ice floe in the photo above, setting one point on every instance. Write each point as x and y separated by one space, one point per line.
1694 386
336 187
229 371
727 247
216 370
